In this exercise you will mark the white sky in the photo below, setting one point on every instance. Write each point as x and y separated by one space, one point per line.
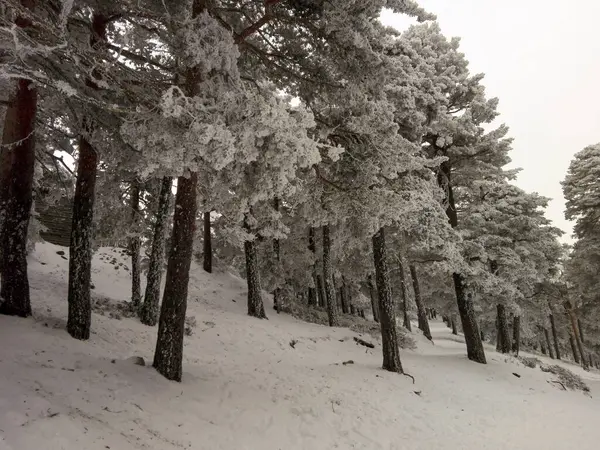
542 60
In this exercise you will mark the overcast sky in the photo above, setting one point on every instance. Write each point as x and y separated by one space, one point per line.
542 60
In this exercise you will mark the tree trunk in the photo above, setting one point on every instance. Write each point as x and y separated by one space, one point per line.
542 347
504 339
421 311
18 161
277 252
135 244
555 336
548 344
580 331
80 254
256 307
332 313
149 309
404 290
207 244
475 351
374 305
516 344
569 308
168 356
573 348
387 309
454 329
321 296
313 297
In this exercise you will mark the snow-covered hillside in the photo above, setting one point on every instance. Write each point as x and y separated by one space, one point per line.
246 387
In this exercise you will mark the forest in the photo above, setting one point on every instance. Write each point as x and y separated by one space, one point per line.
349 171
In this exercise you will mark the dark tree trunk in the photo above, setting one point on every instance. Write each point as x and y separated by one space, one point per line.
149 309
256 307
135 245
18 161
571 314
313 297
332 313
387 309
374 305
542 347
573 348
516 342
80 258
580 331
504 340
321 296
554 336
453 323
352 310
207 244
80 254
421 311
475 351
404 290
548 343
277 252
168 356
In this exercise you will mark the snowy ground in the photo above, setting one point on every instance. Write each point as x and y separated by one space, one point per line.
245 387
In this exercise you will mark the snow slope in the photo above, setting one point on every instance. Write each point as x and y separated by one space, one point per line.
245 387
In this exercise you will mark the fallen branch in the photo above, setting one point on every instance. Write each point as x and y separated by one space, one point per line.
363 342
558 382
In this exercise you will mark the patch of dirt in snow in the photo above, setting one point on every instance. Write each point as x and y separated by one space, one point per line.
246 387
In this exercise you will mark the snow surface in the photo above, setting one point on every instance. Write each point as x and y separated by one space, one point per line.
245 387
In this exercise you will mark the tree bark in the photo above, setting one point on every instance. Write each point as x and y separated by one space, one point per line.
18 148
374 303
504 340
135 244
207 244
332 313
573 348
421 310
580 331
256 307
555 336
571 314
404 290
80 254
149 309
453 323
475 351
321 296
548 343
168 356
313 297
387 309
516 342
277 252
